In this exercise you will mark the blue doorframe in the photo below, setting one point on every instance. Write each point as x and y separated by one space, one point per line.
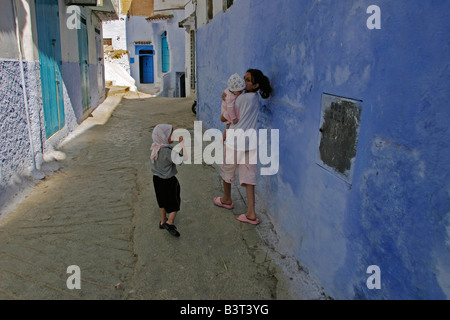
49 46
146 65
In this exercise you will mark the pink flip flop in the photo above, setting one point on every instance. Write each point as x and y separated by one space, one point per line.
219 203
243 218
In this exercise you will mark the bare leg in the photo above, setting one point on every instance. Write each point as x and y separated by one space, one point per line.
251 213
226 199
172 217
163 215
169 225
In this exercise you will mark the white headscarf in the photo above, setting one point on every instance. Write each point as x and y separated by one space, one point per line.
160 136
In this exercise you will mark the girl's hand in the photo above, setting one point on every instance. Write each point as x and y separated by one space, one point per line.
224 96
180 139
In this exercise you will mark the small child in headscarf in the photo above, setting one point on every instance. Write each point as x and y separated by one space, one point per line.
230 111
167 187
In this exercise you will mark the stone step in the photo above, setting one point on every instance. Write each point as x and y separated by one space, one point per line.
113 90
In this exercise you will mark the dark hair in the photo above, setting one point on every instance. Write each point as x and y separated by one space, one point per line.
264 84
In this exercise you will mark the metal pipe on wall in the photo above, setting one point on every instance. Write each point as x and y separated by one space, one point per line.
25 97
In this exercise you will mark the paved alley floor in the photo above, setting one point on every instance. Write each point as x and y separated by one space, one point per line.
98 211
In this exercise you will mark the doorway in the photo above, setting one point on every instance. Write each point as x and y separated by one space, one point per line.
49 46
146 64
181 84
146 68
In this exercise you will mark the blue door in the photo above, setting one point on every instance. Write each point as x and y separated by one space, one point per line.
146 64
83 53
49 46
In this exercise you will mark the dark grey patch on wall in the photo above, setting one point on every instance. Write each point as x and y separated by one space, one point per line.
338 134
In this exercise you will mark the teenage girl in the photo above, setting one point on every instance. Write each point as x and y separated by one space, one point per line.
248 104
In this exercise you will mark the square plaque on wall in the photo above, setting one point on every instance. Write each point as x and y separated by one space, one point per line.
338 135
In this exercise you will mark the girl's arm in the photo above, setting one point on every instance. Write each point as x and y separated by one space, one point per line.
183 149
179 157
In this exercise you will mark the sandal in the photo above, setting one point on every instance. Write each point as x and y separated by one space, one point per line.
243 218
161 226
172 229
219 203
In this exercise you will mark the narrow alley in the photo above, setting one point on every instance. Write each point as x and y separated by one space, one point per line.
98 211
348 100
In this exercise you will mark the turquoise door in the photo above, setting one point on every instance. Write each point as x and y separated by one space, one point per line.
49 46
83 52
165 53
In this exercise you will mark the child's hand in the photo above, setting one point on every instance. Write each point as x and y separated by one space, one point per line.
224 96
180 139
235 121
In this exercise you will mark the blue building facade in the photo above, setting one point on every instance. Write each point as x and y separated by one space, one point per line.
393 210
156 47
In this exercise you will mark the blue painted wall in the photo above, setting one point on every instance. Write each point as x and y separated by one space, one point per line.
396 212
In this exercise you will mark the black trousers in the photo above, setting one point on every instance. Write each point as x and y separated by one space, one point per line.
167 193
